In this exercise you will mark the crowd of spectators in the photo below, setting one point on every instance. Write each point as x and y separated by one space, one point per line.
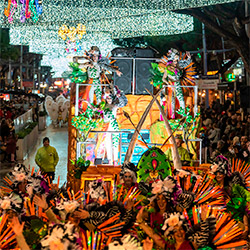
225 131
9 111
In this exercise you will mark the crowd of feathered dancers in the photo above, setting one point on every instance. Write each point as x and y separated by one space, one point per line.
145 208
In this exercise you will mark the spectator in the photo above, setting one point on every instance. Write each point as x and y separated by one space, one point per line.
205 144
243 141
218 150
47 159
184 154
5 130
8 114
1 113
247 126
246 153
214 135
11 147
238 129
228 127
2 150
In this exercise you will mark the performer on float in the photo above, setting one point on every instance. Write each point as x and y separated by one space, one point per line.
108 143
172 76
95 66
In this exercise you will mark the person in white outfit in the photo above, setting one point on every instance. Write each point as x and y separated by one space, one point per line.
108 143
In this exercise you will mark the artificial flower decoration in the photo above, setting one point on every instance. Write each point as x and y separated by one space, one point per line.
172 220
5 203
61 237
14 202
68 205
168 187
157 187
169 184
56 245
71 206
127 242
182 173
96 189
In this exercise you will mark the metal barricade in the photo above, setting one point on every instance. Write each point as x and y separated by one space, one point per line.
21 120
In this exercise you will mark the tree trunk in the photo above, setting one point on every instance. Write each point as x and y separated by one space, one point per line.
72 132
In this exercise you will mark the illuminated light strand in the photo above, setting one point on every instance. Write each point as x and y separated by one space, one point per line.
107 19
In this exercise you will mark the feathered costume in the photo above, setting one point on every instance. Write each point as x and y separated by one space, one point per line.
210 215
94 73
174 69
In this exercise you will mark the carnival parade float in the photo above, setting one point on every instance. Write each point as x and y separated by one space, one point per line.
135 178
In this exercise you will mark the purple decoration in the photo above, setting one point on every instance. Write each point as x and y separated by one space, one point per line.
23 18
45 186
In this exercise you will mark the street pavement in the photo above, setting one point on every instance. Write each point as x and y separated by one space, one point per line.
58 139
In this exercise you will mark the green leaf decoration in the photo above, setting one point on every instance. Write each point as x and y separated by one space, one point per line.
77 75
156 77
87 163
81 166
88 120
190 121
78 174
35 232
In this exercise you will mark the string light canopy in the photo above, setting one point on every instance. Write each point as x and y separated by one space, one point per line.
104 20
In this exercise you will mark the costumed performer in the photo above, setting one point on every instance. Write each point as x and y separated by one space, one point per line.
128 177
95 65
172 75
108 143
234 189
164 200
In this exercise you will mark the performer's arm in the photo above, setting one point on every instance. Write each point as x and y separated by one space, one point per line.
148 230
165 75
18 230
85 64
41 202
123 100
110 68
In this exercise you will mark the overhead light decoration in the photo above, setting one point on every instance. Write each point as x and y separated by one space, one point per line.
104 21
72 36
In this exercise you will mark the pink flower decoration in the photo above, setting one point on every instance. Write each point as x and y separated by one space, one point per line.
20 177
5 204
56 245
157 187
173 220
214 168
70 206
